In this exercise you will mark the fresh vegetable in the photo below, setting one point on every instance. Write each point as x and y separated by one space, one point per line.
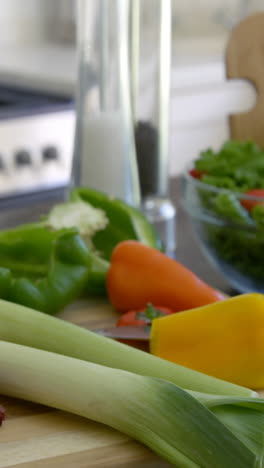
169 420
257 214
143 316
231 224
30 268
2 415
240 252
228 206
248 203
237 166
196 173
139 274
88 219
239 411
102 222
77 214
224 339
42 269
28 327
96 283
240 162
124 222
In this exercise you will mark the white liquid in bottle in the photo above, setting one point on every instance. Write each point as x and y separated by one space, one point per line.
105 155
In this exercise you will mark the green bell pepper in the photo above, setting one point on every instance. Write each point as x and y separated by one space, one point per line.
42 269
125 222
48 264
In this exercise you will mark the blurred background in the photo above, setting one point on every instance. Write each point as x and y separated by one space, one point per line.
38 59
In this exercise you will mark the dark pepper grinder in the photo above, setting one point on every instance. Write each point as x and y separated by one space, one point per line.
151 121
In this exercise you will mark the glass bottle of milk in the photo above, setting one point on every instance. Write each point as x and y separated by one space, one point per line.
104 147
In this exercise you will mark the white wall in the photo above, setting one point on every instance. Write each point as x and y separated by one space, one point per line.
203 17
21 20
32 20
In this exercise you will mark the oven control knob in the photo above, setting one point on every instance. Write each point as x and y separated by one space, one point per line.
22 158
50 153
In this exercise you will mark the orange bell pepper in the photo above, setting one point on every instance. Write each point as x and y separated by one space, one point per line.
139 274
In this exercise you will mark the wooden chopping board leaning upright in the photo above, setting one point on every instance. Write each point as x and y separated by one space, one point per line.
245 61
34 436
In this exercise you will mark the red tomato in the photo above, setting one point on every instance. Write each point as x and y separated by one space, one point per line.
196 173
249 204
143 317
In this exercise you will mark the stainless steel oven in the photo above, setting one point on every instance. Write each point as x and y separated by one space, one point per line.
36 141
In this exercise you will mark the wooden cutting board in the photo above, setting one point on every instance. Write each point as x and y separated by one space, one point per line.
245 61
34 436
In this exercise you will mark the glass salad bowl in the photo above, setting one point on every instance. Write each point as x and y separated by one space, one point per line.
229 226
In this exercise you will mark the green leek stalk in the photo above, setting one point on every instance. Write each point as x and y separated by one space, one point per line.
28 327
243 416
163 416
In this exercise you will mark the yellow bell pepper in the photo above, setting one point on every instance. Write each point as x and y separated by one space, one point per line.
224 339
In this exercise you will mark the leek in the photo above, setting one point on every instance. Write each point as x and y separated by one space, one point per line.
28 327
243 416
163 416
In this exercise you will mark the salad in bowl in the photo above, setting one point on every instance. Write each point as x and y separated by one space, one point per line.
223 193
